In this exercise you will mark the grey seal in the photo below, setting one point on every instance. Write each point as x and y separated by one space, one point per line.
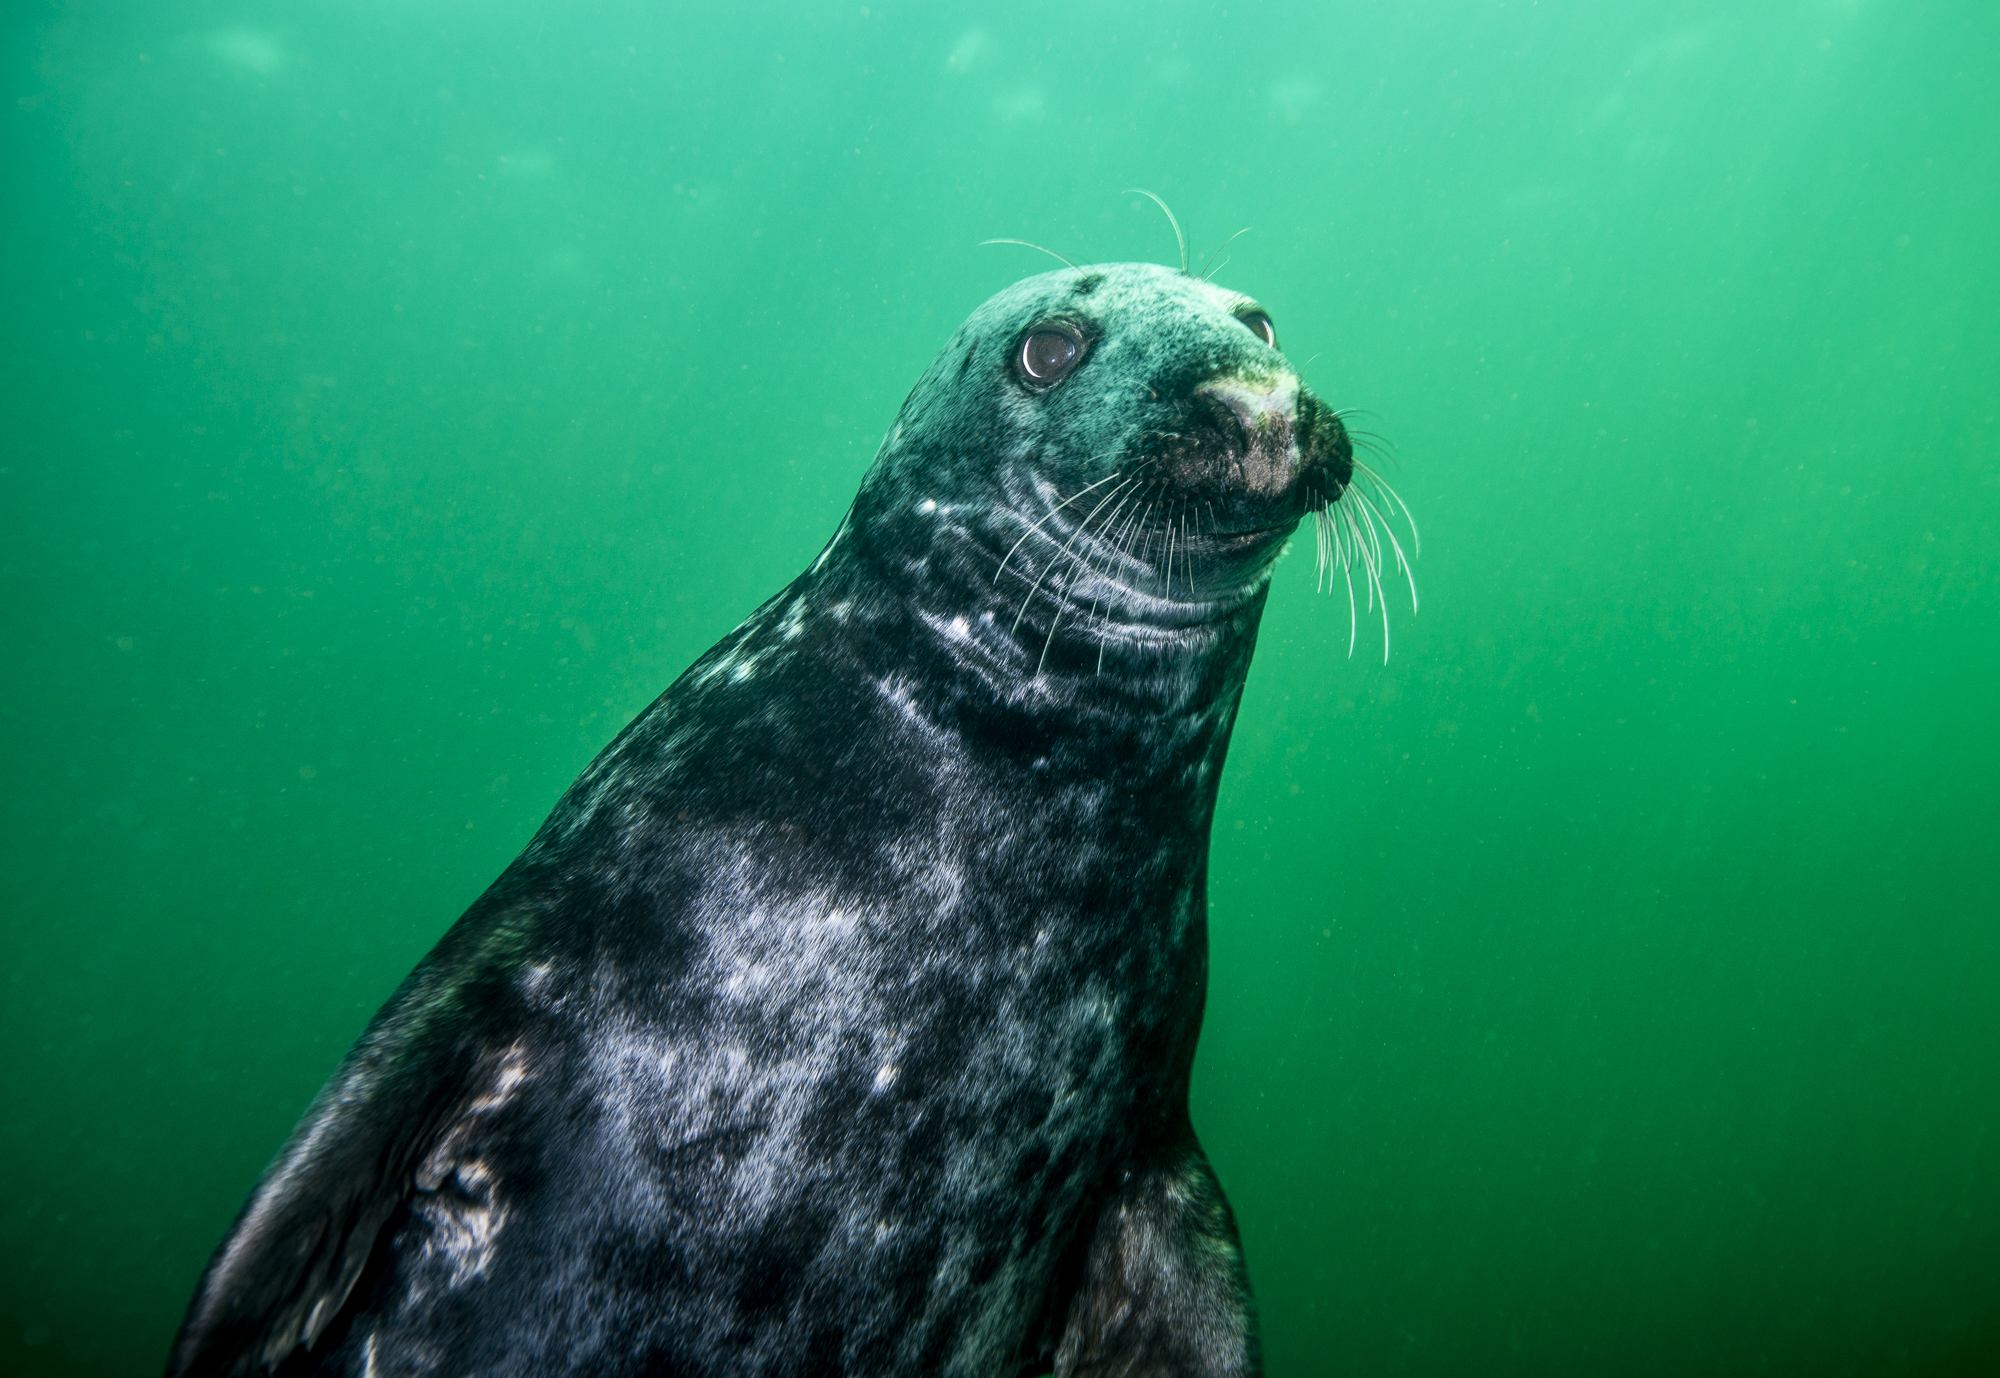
839 1019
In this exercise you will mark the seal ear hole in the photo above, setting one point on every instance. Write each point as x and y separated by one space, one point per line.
1049 353
1260 326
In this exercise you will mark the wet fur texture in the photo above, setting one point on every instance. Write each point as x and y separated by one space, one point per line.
839 1019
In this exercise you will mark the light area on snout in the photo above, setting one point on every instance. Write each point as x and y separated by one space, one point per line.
1266 406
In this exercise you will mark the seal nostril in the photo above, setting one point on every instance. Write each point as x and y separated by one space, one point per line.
1228 424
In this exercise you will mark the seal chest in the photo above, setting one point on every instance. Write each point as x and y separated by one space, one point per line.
839 1019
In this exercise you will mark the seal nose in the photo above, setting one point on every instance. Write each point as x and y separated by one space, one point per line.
1266 411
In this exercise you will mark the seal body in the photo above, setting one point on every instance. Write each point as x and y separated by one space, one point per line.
839 1019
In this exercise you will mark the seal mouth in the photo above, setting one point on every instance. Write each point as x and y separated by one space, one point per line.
1233 540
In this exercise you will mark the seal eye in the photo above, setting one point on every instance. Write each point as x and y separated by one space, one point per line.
1049 353
1260 326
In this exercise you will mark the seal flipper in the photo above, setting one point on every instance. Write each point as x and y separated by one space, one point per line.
1163 1290
415 1083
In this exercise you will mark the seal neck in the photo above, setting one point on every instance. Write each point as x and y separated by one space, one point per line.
927 586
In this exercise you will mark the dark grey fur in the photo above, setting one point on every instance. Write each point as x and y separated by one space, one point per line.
839 1018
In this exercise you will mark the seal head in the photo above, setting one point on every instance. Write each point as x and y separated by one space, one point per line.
839 1019
1120 449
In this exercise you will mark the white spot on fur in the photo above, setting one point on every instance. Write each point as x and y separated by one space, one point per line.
795 618
458 1192
463 1231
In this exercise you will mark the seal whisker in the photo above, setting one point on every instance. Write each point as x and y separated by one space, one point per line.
1353 617
1028 244
1331 521
1357 551
1180 240
1205 273
1121 549
1069 581
1109 522
1402 561
1052 563
1385 623
1364 518
1045 517
1079 566
1136 525
1365 556
1358 517
1381 570
1336 552
1060 596
1367 442
1177 533
1104 532
1130 531
1084 525
1359 544
1378 569
1366 527
1382 486
1144 535
1377 519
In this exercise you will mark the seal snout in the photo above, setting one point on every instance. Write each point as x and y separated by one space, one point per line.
1283 442
1263 412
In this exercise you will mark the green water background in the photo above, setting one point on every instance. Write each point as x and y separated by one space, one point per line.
398 396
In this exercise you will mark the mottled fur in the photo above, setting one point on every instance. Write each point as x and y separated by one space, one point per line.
839 1019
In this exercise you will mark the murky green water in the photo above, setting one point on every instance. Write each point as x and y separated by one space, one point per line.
399 395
